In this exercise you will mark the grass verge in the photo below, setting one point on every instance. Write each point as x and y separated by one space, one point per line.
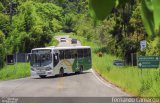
142 83
19 70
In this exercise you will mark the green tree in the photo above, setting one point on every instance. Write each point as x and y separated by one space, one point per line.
33 26
1 7
2 49
149 11
68 23
4 24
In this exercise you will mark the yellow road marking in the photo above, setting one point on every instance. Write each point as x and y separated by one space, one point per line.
60 84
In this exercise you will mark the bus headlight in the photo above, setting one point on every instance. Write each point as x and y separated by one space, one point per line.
32 69
48 68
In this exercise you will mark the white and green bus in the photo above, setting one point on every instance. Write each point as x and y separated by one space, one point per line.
50 61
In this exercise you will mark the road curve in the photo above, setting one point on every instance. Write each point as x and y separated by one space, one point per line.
83 85
88 84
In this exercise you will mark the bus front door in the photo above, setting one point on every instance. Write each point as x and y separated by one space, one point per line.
56 59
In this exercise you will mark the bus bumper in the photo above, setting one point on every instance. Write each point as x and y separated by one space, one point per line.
47 73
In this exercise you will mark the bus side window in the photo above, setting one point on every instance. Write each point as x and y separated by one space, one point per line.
61 55
76 56
73 53
80 53
87 52
67 54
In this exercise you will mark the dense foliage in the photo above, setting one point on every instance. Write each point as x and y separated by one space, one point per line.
27 24
2 49
123 27
149 12
34 23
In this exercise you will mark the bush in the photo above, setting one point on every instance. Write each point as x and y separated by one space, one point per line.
2 49
1 7
100 54
153 47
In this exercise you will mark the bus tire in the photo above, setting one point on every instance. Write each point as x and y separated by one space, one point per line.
81 69
42 76
61 72
76 72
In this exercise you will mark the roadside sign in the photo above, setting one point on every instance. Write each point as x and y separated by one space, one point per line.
149 62
119 62
143 44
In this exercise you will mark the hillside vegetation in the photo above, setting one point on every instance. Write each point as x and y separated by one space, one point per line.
35 22
27 24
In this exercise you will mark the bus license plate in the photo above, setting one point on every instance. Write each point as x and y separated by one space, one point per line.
41 72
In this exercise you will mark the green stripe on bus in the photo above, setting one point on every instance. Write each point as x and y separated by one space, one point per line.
85 62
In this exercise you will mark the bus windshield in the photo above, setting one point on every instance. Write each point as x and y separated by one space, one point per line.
39 60
46 59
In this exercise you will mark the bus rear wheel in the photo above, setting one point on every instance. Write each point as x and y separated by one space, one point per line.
42 76
81 69
61 72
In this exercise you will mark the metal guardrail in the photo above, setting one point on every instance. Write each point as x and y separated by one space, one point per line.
14 58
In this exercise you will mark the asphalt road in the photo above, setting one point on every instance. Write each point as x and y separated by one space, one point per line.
68 41
88 84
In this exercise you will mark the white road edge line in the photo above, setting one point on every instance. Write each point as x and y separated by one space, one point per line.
108 85
100 79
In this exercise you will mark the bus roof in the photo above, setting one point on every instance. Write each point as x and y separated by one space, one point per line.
72 47
62 48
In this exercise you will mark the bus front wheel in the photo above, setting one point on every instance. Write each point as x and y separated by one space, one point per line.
61 72
42 76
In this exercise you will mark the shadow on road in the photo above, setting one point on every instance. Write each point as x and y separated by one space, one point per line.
65 75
